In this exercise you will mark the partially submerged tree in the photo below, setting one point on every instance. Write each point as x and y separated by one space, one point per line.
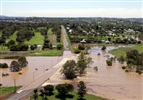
103 48
14 66
121 59
22 61
81 65
83 62
109 62
3 65
69 69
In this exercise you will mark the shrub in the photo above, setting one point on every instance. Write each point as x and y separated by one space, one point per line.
98 54
123 67
126 70
33 47
121 59
109 62
5 74
3 65
0 84
81 47
59 46
76 51
103 48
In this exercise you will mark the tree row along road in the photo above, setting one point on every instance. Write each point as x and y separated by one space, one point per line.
46 75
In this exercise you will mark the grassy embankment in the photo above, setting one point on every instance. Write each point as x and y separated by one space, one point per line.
5 90
73 96
123 50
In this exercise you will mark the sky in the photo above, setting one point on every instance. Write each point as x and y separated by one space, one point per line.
72 8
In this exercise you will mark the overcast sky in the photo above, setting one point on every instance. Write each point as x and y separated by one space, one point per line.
72 8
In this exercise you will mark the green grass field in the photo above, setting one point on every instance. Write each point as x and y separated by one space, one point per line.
3 48
123 50
138 47
5 90
37 39
13 37
52 37
75 97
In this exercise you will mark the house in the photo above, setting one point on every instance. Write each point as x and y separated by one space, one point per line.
83 41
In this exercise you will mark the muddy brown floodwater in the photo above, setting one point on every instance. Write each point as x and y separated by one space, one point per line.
112 81
109 81
36 67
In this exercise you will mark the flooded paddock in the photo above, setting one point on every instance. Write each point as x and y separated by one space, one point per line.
112 81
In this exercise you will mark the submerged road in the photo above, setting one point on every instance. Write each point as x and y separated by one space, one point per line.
67 55
39 81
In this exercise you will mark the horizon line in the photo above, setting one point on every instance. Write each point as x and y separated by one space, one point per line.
67 17
11 1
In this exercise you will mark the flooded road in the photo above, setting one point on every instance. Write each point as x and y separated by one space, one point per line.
36 66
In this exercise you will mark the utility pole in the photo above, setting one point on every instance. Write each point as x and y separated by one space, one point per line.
14 86
43 68
33 76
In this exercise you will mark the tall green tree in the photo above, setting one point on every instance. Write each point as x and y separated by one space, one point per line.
81 65
64 89
83 62
35 95
69 69
81 89
49 89
10 42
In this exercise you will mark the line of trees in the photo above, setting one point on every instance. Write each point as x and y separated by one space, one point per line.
63 91
19 47
134 61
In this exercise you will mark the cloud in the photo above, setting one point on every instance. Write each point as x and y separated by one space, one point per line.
99 12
